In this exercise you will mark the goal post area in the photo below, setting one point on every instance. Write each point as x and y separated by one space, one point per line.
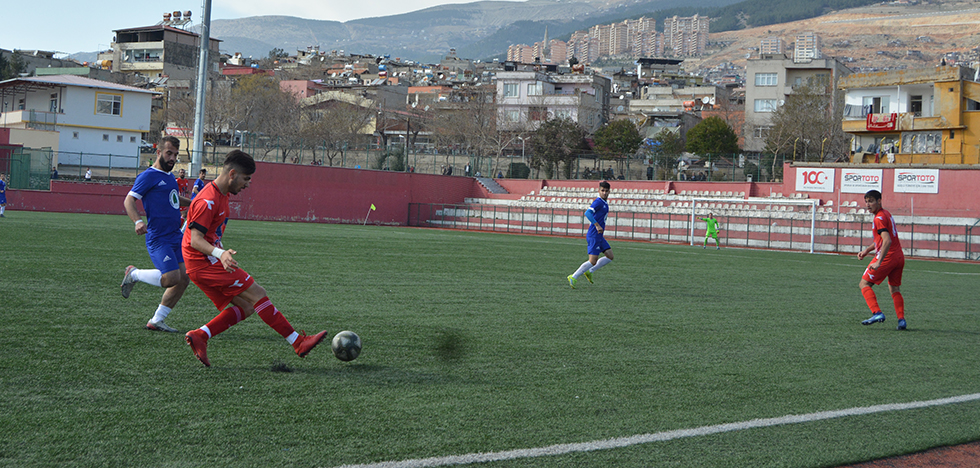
782 223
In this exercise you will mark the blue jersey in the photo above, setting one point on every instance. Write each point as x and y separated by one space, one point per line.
199 185
158 192
599 209
3 192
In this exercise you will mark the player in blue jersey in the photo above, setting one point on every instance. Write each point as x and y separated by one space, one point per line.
157 188
199 183
3 195
596 214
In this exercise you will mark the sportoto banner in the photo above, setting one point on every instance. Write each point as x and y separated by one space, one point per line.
917 180
812 179
860 180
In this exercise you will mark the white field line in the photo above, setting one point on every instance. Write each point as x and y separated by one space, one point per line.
561 449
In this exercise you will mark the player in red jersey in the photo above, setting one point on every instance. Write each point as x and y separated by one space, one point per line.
889 261
182 184
215 271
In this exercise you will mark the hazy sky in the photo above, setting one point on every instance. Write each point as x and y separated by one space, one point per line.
71 26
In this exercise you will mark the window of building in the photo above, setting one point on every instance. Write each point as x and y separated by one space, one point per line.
535 89
765 105
563 114
875 105
105 137
922 142
915 105
512 115
511 90
143 55
20 104
53 105
119 138
537 113
761 131
108 104
765 79
74 135
132 139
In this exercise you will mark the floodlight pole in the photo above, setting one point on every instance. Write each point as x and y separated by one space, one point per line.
202 86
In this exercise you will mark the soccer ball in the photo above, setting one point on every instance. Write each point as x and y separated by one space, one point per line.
346 345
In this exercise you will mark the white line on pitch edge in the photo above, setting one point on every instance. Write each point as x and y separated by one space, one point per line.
561 449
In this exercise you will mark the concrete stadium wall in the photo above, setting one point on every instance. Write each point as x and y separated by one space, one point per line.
282 192
288 192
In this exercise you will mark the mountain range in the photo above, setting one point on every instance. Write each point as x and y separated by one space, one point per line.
479 30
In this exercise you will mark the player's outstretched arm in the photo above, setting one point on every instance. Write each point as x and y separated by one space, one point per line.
199 243
134 215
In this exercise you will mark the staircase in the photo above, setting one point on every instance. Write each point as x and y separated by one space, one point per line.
491 185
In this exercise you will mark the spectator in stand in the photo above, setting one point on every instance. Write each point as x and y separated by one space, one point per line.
468 170
88 174
54 173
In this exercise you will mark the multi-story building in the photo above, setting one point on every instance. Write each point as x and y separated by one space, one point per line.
521 53
771 45
807 47
525 98
769 79
686 37
86 122
159 50
921 116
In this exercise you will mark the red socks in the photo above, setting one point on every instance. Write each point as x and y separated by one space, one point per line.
899 305
225 320
271 316
871 299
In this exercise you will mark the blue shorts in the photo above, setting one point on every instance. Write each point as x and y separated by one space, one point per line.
166 256
597 244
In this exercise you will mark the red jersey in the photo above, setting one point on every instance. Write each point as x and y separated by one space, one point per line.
883 222
182 184
208 213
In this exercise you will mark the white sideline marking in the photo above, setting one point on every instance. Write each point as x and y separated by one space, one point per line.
561 449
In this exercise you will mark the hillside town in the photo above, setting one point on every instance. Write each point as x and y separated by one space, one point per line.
340 107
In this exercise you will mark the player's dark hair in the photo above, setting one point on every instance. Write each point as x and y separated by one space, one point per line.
240 161
873 194
170 139
604 185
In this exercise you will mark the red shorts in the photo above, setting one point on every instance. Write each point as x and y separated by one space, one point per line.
889 268
219 285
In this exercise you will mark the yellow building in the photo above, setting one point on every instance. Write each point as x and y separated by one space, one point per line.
921 116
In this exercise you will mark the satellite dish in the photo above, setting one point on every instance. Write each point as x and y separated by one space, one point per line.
705 100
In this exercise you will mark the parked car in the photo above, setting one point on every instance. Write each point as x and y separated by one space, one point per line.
146 147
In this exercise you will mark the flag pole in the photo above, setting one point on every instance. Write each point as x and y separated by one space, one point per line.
372 208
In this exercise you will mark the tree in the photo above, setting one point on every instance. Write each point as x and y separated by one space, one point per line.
618 140
334 125
807 127
712 136
669 145
12 67
555 142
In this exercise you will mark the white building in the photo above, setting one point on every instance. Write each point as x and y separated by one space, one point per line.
525 99
93 123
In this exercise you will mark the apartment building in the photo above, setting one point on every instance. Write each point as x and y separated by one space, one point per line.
806 47
686 37
770 46
920 116
769 79
526 98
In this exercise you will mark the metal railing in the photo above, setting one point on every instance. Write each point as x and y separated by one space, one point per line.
830 233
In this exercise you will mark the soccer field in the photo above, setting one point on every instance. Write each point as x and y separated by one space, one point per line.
474 343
